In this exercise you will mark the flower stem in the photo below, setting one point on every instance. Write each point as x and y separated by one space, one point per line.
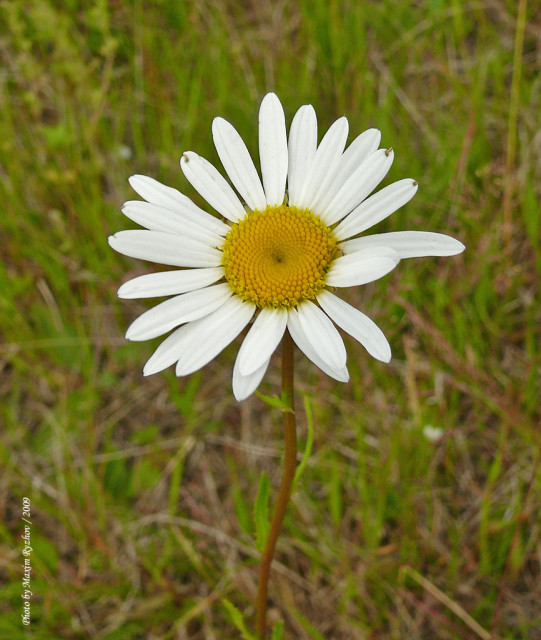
290 463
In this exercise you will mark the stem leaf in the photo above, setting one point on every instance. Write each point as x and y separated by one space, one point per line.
283 403
237 619
309 442
261 512
278 631
242 511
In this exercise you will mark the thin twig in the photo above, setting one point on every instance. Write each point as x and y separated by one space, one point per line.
450 604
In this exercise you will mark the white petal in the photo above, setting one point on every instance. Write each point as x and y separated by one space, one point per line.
169 283
178 310
408 244
167 353
244 386
322 334
301 340
356 324
273 148
165 248
325 164
302 149
192 338
238 163
157 193
376 208
262 339
156 218
361 182
363 146
362 267
207 337
209 182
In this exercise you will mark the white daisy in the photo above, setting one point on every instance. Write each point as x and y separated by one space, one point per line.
278 256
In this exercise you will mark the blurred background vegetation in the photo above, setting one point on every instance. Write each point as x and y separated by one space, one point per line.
418 513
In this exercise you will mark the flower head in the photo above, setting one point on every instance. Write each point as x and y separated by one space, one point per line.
277 256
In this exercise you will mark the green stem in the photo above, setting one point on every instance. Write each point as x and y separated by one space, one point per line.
290 463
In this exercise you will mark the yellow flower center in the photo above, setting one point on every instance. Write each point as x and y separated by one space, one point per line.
278 257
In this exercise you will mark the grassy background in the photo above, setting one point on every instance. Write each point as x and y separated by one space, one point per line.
141 489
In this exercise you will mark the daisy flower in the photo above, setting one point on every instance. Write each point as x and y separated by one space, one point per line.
277 255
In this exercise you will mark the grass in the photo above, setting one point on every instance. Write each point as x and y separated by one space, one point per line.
142 490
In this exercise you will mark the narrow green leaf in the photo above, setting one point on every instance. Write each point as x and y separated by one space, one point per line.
278 402
242 511
261 512
335 494
237 619
278 631
312 631
309 442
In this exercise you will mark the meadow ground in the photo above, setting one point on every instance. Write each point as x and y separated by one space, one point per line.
418 513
